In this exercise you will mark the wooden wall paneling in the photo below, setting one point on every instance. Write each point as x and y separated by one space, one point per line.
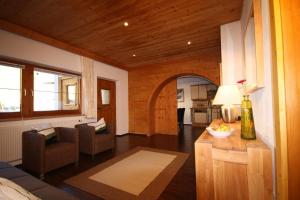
145 83
286 95
5 25
158 30
286 39
166 110
290 16
279 102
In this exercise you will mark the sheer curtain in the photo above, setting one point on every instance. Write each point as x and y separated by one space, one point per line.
88 80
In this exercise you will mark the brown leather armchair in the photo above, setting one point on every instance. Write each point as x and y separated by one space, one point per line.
41 158
92 143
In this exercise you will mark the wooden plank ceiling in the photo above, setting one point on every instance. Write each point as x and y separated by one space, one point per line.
158 30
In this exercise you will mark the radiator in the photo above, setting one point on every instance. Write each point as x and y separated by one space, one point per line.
11 144
11 137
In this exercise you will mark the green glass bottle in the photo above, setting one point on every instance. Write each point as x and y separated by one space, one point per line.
247 122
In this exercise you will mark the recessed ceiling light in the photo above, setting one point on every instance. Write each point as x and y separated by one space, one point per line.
126 24
133 55
189 43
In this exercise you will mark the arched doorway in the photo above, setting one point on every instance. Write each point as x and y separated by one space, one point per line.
156 93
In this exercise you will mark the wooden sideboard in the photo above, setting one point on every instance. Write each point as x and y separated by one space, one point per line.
232 168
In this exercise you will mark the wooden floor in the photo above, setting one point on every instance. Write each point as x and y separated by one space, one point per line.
181 187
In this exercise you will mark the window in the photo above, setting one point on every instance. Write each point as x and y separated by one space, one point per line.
55 91
33 91
10 88
71 94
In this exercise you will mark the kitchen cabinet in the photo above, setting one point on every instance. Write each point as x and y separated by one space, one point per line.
198 92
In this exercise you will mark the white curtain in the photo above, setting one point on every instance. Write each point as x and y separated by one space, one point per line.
88 80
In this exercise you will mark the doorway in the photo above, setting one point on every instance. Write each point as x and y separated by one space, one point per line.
176 93
194 96
106 102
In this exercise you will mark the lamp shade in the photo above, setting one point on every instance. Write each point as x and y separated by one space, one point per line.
227 95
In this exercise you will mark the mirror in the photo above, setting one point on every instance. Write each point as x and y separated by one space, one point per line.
249 49
71 94
253 46
105 96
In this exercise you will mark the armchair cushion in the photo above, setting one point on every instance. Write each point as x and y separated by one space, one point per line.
101 131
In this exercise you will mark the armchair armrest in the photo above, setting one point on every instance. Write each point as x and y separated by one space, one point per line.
109 129
87 138
86 131
33 151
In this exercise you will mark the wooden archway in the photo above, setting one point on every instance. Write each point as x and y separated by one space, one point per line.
156 92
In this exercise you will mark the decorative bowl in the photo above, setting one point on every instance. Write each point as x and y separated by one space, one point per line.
219 134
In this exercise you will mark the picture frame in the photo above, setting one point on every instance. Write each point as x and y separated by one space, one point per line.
180 95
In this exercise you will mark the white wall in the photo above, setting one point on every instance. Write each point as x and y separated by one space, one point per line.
19 47
262 101
185 84
232 53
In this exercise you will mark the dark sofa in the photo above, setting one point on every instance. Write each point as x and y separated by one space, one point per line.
32 184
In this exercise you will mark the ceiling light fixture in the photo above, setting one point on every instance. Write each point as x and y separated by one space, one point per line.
133 55
126 24
189 43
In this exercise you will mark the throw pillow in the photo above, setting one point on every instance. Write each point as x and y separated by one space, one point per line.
50 134
95 124
11 191
100 126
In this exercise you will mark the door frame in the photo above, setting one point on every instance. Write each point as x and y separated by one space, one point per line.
279 98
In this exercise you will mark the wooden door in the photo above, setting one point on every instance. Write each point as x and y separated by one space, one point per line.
286 39
166 110
106 102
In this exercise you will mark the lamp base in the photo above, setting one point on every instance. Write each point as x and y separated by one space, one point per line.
228 113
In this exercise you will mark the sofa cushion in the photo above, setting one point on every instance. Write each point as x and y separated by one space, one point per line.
4 165
52 193
32 184
59 148
29 182
104 138
12 172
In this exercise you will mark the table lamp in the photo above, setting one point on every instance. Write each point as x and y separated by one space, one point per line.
228 96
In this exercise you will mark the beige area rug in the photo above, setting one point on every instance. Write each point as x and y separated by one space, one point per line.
141 173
